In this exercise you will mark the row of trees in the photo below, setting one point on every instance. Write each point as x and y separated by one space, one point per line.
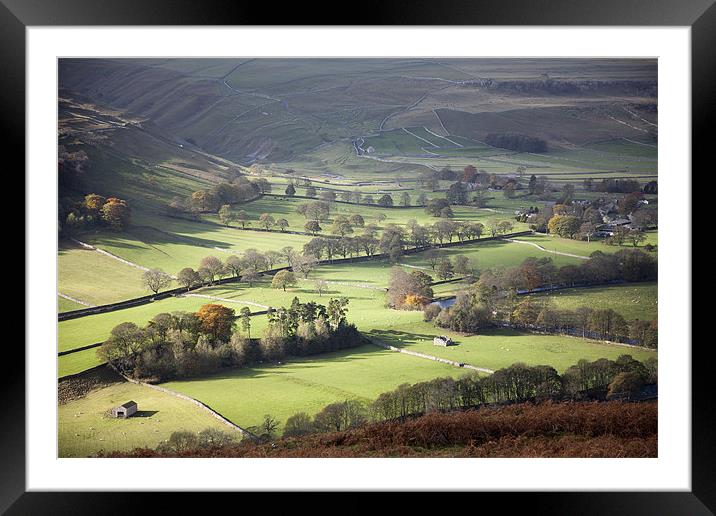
210 200
183 344
493 298
613 379
383 200
92 212
607 324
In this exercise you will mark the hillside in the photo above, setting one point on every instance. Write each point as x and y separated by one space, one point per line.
611 429
280 110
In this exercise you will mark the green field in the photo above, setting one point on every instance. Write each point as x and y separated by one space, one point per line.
499 348
373 126
581 247
76 362
366 306
632 300
172 244
85 428
76 333
308 384
95 278
65 305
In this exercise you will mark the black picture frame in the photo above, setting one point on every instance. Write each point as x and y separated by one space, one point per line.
700 15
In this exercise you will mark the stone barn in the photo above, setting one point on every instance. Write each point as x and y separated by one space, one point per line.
125 410
442 340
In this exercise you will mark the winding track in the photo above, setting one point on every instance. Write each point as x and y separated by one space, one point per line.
547 250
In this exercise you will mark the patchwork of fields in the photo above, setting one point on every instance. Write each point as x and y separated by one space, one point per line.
158 132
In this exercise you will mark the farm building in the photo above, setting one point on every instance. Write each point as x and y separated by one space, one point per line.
442 340
125 410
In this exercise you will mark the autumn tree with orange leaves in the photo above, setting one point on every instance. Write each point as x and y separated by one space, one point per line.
216 321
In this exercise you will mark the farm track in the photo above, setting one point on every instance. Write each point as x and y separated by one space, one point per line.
547 250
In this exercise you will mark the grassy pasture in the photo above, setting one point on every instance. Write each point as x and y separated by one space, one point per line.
95 278
84 428
75 333
308 384
632 300
77 362
286 208
183 243
499 348
581 247
65 305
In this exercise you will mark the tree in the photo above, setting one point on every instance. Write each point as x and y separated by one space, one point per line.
282 224
226 216
405 199
310 191
587 229
268 427
93 204
625 384
445 269
188 277
312 227
456 193
385 200
216 321
432 255
156 279
636 237
245 317
243 218
290 190
283 279
297 425
341 227
321 286
250 276
212 265
463 266
564 225
267 221
357 220
328 195
116 213
304 263
234 265
125 342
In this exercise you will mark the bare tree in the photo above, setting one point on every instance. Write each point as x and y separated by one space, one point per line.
156 279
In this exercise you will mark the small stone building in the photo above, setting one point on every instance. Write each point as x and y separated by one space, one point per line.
125 410
442 340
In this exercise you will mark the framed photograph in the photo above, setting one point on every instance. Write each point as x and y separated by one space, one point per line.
446 249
